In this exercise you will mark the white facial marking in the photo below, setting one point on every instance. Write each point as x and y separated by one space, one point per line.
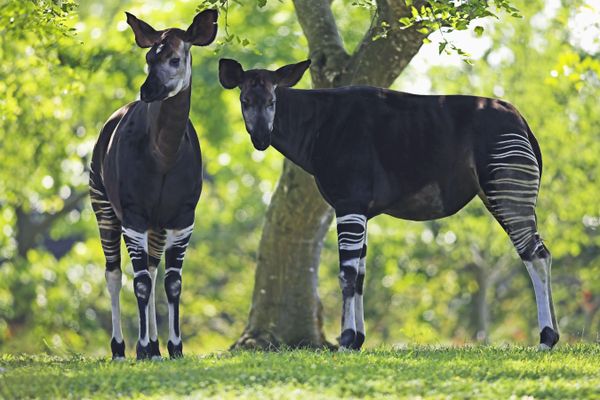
181 80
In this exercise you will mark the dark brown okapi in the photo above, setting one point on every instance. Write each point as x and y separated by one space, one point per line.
376 151
146 179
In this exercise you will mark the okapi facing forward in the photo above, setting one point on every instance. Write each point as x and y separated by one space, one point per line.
375 151
146 179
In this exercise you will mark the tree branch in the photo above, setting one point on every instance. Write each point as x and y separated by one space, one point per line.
379 59
326 47
29 228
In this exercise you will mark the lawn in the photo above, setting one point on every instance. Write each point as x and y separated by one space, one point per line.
568 372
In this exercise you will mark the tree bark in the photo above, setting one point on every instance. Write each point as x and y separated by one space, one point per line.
480 315
286 309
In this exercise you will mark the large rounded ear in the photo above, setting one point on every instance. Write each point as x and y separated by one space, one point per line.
145 35
289 75
231 73
203 29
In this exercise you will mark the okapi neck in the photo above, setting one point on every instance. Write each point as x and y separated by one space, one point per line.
295 126
167 124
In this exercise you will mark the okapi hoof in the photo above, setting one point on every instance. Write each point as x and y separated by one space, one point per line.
175 350
155 350
347 339
143 352
548 338
117 349
358 341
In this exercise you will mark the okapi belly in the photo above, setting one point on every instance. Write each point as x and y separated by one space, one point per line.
428 203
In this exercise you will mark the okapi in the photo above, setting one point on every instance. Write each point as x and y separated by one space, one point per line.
146 179
376 151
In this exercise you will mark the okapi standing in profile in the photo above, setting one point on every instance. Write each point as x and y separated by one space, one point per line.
375 151
146 179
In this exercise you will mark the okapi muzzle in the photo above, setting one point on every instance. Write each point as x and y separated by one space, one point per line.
259 123
257 94
153 89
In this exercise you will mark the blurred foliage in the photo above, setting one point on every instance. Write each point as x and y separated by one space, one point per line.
61 77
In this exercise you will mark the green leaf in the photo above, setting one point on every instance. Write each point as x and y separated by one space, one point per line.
479 30
442 47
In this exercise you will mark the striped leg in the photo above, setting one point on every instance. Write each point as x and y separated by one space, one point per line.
177 242
510 193
110 238
156 244
137 246
358 301
351 236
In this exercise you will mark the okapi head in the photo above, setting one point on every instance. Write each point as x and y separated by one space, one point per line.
258 94
169 59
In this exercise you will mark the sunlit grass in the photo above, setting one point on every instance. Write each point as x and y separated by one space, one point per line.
472 372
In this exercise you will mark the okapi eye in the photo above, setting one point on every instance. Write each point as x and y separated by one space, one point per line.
271 105
174 62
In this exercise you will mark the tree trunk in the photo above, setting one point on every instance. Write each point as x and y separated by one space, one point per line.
285 304
286 309
480 312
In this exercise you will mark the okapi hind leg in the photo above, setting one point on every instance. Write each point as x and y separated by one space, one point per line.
177 242
538 262
156 244
351 237
510 182
110 239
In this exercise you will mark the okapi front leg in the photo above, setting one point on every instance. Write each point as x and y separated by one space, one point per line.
156 244
358 302
351 235
137 246
177 242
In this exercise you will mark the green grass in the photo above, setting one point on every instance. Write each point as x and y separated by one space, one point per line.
419 372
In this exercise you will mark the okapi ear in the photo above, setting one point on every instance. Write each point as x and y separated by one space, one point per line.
231 73
289 75
203 29
145 35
